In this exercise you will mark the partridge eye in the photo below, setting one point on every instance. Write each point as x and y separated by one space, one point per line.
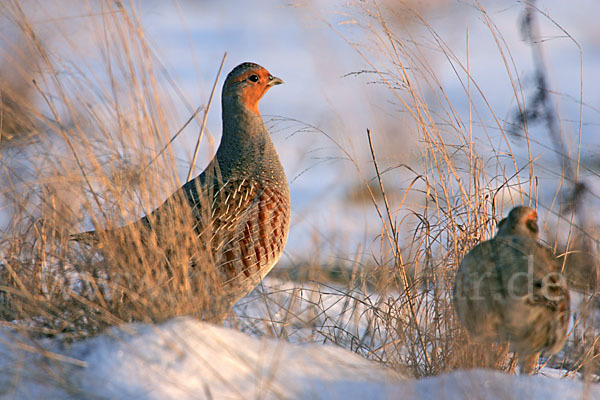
253 78
532 226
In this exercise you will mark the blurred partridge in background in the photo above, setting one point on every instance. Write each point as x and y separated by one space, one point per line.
510 289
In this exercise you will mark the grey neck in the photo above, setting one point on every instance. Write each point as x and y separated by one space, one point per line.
245 147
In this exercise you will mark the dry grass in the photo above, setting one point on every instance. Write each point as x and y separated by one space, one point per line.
95 137
106 114
395 306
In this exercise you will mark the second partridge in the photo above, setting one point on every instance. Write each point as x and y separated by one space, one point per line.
510 289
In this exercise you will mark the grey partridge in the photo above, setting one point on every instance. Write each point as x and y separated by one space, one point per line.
241 201
510 289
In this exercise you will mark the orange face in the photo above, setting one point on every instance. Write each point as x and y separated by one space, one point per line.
531 222
250 86
532 216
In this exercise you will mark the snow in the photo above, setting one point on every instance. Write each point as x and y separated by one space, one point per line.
185 358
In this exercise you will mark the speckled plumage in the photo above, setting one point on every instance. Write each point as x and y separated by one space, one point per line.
245 186
510 289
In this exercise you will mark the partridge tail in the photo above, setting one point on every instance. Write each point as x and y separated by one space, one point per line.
93 237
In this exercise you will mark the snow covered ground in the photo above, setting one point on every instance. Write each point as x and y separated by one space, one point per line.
184 358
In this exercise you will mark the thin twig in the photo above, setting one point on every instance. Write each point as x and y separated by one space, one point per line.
397 250
172 139
51 355
212 93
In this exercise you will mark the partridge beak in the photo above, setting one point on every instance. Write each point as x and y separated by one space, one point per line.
273 81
